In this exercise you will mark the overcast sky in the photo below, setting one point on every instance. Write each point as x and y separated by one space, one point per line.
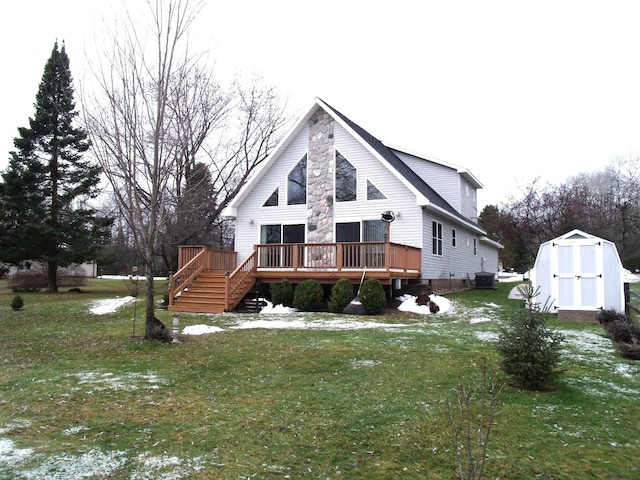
510 90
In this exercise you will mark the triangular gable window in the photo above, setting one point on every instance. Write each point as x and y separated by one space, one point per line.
346 180
272 201
297 184
373 193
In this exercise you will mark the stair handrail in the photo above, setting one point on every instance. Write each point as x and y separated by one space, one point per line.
183 277
237 277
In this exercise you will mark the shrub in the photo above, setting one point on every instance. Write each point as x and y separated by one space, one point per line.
373 297
530 351
341 295
35 277
282 293
608 317
630 351
308 296
623 332
17 303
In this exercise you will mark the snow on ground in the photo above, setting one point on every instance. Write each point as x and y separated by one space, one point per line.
200 329
110 305
580 346
271 308
409 304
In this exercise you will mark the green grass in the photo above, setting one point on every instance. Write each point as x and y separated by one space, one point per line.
79 394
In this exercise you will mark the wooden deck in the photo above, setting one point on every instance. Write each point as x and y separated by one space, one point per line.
208 280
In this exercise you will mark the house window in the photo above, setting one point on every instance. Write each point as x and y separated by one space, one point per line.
273 253
346 180
297 184
453 237
436 248
348 232
475 247
373 193
272 201
270 234
374 231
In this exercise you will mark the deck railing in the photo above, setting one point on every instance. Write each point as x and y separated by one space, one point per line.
236 279
339 256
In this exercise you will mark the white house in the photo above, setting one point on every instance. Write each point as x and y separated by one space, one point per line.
579 274
330 181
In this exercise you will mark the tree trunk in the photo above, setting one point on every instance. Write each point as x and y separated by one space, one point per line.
52 277
150 307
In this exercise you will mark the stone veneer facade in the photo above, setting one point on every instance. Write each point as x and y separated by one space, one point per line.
320 179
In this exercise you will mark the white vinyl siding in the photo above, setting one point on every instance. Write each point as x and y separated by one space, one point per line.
456 262
443 179
406 228
251 214
469 203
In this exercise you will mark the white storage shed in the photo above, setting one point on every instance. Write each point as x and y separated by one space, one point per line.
579 274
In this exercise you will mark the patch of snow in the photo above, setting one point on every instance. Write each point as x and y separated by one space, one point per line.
17 423
10 455
324 324
602 388
108 381
271 308
355 363
409 304
165 467
200 329
74 430
486 336
110 305
479 320
626 370
91 464
505 277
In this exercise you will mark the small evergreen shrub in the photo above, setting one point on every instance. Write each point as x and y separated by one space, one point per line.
282 293
341 295
308 296
608 317
623 332
373 297
17 303
530 351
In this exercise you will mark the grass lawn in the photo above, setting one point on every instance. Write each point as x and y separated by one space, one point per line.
81 398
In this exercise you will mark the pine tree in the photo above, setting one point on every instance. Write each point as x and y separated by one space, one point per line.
47 183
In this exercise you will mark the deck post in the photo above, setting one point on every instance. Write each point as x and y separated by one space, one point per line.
226 291
387 255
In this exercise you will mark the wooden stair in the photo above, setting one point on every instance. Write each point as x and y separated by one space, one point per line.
206 294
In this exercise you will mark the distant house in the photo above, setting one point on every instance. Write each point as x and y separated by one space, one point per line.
579 274
332 201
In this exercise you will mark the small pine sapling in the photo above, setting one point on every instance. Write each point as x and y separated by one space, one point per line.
530 351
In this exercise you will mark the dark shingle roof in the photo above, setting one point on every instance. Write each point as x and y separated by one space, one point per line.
401 167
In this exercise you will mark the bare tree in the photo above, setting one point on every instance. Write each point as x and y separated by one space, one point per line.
243 137
133 127
156 114
624 197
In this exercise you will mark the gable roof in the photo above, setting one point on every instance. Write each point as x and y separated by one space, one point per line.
426 196
576 235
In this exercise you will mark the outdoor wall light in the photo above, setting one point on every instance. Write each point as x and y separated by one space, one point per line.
251 221
388 216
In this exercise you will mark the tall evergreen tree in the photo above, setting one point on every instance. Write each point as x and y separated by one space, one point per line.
47 183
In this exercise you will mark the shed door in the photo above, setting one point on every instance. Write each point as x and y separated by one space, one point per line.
578 281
